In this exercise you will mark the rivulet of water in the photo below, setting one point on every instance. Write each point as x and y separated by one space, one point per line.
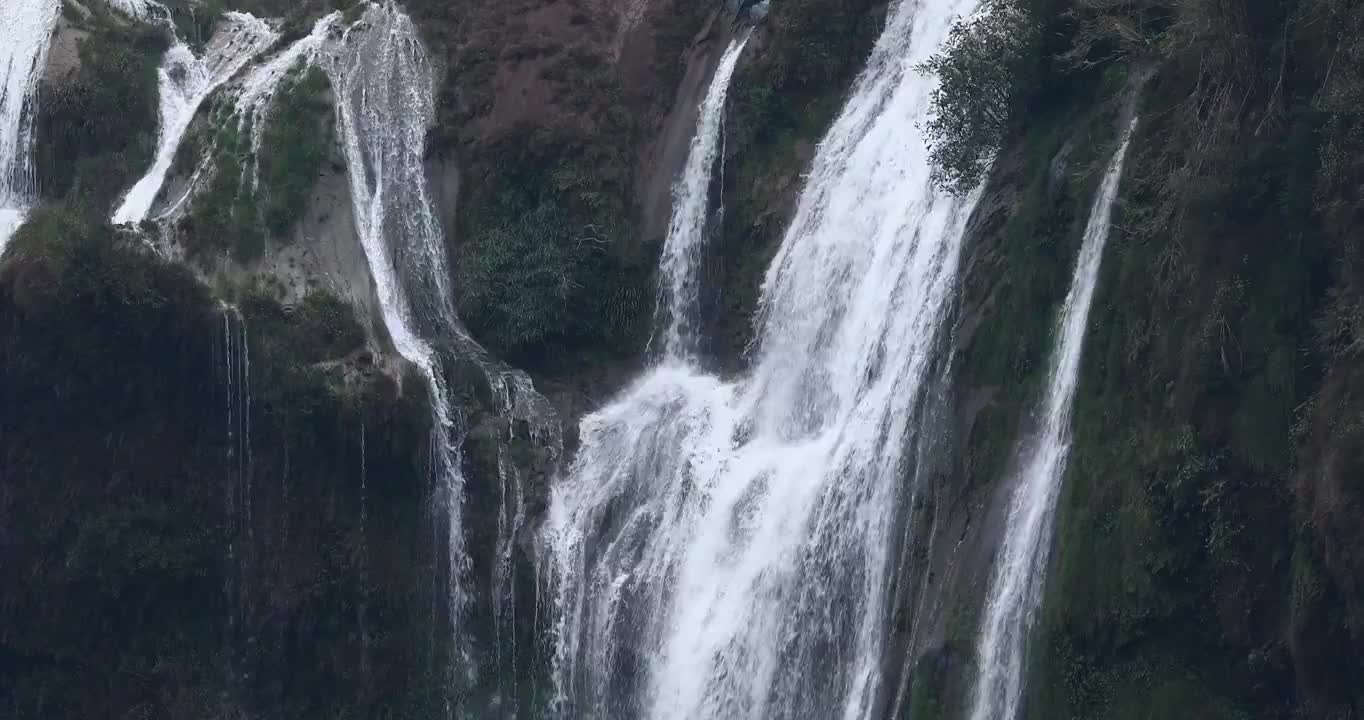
1021 566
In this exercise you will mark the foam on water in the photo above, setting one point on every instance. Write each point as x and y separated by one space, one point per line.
723 549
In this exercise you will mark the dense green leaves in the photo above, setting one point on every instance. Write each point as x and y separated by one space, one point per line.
296 141
983 70
546 265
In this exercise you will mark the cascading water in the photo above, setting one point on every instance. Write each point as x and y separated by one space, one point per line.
1021 567
382 82
25 32
256 90
184 82
686 229
724 550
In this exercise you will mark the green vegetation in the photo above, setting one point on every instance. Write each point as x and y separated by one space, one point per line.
550 112
545 267
298 138
252 197
223 214
984 72
1187 578
96 129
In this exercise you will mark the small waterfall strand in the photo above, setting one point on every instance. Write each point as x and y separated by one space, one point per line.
236 383
1021 566
677 290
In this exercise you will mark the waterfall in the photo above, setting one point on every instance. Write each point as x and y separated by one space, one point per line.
184 81
382 80
723 550
511 519
383 83
236 378
256 89
1021 567
25 32
691 203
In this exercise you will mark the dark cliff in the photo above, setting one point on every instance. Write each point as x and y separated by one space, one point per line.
206 511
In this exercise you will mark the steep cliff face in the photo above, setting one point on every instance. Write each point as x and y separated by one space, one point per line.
215 511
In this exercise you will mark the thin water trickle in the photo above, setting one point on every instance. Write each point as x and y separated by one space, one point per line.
1021 566
723 549
236 383
25 34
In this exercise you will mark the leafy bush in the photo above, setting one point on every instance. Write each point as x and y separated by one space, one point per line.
518 277
545 265
320 328
535 273
983 71
96 130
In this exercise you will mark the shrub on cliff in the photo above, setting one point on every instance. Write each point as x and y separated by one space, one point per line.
545 266
536 275
97 127
983 71
297 139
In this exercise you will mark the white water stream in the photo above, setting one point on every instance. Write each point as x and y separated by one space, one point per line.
682 249
723 550
184 81
25 33
137 9
1021 566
